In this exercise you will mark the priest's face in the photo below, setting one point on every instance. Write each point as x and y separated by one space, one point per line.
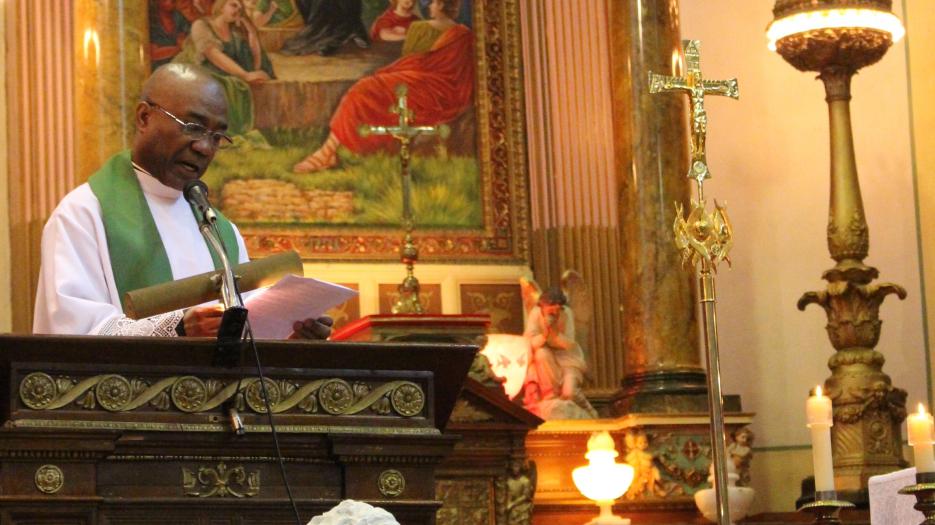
179 129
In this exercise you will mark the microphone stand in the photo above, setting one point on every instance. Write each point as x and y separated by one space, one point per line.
233 322
230 334
234 332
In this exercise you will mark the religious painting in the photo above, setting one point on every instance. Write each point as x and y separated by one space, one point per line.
301 77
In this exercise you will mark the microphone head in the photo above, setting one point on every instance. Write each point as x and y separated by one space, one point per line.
192 189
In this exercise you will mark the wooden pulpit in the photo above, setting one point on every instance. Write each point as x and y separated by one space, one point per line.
135 430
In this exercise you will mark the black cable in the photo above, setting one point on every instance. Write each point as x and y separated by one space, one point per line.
272 426
248 336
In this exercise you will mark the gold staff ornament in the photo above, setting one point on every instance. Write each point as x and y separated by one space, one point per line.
696 87
704 240
405 133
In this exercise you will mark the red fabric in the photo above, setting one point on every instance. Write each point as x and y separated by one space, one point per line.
388 20
441 83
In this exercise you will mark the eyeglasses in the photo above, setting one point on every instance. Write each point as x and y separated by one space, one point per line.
196 131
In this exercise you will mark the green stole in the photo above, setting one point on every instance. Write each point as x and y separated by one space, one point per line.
137 256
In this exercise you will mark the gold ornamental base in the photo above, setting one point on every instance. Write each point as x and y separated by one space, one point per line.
924 491
826 508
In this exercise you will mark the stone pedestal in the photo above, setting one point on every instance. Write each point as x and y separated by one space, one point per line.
660 345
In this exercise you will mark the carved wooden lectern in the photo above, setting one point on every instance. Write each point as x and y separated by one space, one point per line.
131 430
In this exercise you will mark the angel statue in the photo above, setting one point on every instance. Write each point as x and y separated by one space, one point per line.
557 365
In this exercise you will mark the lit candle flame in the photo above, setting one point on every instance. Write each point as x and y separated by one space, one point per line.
921 409
92 45
818 391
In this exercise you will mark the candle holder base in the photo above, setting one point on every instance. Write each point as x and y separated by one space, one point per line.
825 508
924 491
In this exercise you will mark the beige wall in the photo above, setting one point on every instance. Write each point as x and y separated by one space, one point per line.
6 306
770 159
920 18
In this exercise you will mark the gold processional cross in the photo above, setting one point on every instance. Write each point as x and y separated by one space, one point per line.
704 239
697 87
408 302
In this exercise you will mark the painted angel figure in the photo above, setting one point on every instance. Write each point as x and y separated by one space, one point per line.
557 365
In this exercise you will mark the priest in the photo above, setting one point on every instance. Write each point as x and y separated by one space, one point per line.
130 227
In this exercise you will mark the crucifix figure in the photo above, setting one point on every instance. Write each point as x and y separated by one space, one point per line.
697 87
404 132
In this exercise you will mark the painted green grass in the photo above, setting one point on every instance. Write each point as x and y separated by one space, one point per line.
446 191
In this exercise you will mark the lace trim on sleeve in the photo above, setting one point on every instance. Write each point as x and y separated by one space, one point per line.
162 325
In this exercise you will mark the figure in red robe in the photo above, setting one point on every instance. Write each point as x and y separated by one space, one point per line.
391 26
438 67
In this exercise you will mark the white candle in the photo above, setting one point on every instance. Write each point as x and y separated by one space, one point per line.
920 426
820 418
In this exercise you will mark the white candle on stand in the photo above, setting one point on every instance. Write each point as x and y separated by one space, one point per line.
920 426
819 416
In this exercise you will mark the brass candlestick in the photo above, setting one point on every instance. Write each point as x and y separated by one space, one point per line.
826 508
836 38
924 491
408 301
704 240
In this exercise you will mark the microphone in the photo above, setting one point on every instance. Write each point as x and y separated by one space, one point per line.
196 193
233 322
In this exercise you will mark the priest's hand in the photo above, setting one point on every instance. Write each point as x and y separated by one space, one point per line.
312 328
202 321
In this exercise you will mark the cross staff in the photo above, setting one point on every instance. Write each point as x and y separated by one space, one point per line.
704 239
697 87
404 132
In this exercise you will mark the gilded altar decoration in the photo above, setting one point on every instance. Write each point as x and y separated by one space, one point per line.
514 493
190 394
221 482
38 390
740 450
335 396
391 483
502 302
467 412
408 400
702 235
253 395
113 392
646 476
49 479
466 501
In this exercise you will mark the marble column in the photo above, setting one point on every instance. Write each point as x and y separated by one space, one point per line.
662 360
111 63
